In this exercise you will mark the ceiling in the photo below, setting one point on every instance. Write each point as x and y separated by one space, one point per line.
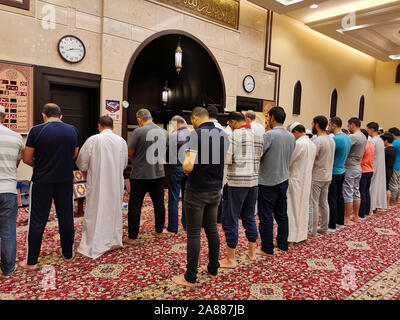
371 26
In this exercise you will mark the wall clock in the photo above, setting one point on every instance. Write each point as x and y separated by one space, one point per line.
71 49
249 83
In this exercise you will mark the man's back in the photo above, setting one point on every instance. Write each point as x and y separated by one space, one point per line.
54 143
278 148
177 144
323 164
358 143
211 144
11 148
246 150
258 128
147 142
342 149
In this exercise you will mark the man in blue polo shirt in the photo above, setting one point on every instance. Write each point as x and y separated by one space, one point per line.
51 148
204 164
335 195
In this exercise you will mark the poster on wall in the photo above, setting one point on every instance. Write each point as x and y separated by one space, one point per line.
16 96
113 109
267 105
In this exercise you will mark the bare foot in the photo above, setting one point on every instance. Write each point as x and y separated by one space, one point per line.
321 232
261 252
291 244
155 233
227 264
252 257
205 269
180 280
312 237
28 267
129 241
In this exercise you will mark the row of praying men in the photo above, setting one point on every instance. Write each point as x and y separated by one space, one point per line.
275 171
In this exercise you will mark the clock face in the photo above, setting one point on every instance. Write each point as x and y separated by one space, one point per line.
249 83
71 49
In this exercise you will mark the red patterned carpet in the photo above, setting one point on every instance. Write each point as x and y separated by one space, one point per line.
360 262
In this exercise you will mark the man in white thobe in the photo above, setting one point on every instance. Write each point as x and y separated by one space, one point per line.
378 181
300 175
104 156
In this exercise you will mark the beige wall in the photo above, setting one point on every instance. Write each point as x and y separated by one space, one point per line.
321 64
113 29
387 95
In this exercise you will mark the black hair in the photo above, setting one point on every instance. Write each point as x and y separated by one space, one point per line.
365 132
213 112
387 136
299 128
237 116
373 125
322 122
337 121
278 113
395 131
106 122
355 121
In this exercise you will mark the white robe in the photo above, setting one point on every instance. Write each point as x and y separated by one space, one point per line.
104 156
378 181
298 195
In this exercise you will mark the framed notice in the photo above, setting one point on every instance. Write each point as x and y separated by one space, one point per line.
16 96
113 109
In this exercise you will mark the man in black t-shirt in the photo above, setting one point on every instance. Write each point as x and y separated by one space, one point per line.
204 164
51 148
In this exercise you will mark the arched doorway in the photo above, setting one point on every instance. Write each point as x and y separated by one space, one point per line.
199 83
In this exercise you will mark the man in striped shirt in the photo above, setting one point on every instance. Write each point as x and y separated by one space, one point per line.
11 152
243 160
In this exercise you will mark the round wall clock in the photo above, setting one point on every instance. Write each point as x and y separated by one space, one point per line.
71 49
249 83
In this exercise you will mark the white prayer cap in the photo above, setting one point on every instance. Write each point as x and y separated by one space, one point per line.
308 131
292 126
2 109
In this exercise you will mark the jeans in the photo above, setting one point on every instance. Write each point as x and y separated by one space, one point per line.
42 195
318 198
221 204
139 187
336 202
8 231
272 204
177 183
365 183
201 211
240 202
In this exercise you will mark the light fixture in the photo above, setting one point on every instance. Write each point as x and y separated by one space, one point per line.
165 94
395 56
314 6
178 57
288 2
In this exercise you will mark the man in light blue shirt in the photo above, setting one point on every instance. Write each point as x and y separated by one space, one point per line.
273 183
335 195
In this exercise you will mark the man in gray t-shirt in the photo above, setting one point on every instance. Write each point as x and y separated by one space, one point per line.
351 185
273 183
147 149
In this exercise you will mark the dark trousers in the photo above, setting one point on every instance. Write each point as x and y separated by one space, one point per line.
365 183
177 183
42 195
8 232
240 202
336 202
221 204
272 203
139 187
201 211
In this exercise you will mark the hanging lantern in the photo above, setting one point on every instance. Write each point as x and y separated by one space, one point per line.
165 94
178 57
